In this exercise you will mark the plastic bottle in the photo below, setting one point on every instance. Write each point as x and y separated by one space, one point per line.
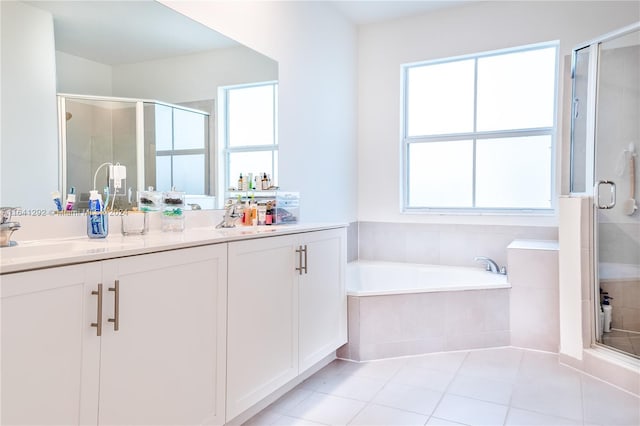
97 219
608 310
71 198
55 195
268 218
240 183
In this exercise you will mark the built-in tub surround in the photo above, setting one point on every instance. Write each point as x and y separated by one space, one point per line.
397 309
442 244
535 309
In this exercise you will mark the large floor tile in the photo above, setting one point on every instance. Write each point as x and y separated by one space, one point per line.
354 387
374 414
264 417
518 417
470 411
382 370
481 388
434 421
607 405
409 398
561 398
327 409
293 421
448 361
495 364
292 398
423 378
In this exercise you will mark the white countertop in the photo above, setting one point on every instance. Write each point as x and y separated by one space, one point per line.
46 253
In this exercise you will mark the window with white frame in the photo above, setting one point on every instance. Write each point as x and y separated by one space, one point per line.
250 131
478 131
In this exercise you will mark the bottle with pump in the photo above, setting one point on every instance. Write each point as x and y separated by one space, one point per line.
97 219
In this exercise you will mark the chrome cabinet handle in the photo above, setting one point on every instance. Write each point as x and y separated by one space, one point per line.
305 259
98 324
299 268
596 194
116 309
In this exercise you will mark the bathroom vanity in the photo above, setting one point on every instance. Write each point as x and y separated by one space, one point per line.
174 328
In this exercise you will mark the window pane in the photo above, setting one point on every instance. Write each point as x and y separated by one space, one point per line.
516 90
249 162
164 126
163 173
188 129
441 174
251 115
188 173
440 98
514 172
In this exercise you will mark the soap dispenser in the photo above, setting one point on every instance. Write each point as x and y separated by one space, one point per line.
97 219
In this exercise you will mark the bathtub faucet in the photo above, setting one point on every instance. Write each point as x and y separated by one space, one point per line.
491 266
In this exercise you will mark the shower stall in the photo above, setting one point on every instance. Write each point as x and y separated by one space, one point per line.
605 143
161 145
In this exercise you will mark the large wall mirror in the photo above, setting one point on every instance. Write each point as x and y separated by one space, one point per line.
123 63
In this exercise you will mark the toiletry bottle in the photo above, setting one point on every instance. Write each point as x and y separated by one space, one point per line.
254 212
55 195
71 198
608 313
246 214
262 213
97 219
268 219
240 183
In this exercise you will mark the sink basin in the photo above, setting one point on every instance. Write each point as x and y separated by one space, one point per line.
49 247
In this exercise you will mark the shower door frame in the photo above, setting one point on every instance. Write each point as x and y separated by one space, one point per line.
590 167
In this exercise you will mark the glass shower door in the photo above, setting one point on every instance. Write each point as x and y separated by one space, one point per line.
616 177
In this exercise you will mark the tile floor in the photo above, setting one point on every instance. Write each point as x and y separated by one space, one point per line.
503 386
627 341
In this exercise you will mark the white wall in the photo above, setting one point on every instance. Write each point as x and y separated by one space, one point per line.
78 75
476 27
316 52
29 144
192 77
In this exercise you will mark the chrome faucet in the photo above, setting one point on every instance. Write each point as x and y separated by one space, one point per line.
231 213
491 266
7 227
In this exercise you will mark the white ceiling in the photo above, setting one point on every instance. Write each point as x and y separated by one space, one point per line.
371 11
120 32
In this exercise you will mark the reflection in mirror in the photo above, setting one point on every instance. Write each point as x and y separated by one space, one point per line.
138 50
166 147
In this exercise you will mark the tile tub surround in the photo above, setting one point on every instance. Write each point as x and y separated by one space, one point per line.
535 309
408 324
502 386
442 244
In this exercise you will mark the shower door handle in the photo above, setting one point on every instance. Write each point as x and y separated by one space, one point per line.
596 194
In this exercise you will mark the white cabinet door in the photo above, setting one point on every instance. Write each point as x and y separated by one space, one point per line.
50 353
262 328
323 300
165 363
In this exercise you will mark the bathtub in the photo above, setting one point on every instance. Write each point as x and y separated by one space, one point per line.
371 278
400 309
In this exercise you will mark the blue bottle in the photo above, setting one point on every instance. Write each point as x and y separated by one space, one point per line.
97 220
